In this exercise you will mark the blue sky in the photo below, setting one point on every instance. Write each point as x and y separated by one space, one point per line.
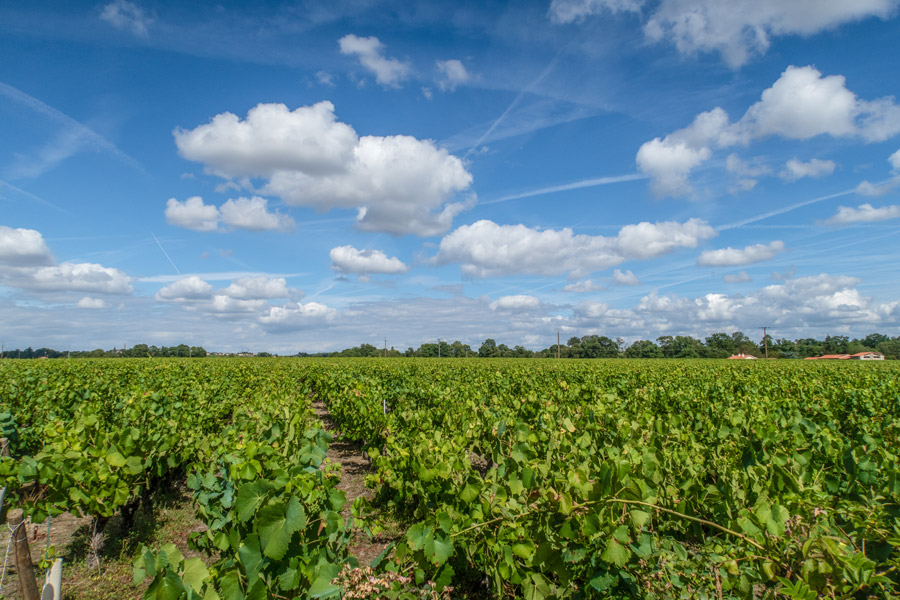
312 176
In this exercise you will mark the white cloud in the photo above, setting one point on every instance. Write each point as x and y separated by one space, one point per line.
253 214
76 277
91 303
518 302
486 249
255 288
867 188
192 214
864 213
453 74
189 288
325 78
755 167
241 213
797 169
568 11
800 105
388 72
271 139
126 16
894 159
733 257
347 259
626 278
23 248
27 263
582 287
739 277
739 29
225 305
294 317
397 184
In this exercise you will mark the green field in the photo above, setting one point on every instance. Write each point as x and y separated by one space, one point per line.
498 478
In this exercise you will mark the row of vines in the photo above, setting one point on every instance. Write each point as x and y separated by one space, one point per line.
669 479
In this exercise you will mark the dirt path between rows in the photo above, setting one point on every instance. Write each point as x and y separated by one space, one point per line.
354 468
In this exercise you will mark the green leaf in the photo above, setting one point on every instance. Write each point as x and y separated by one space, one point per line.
277 523
615 553
195 573
115 459
469 493
438 548
230 584
524 550
416 536
173 554
249 497
639 518
775 524
321 586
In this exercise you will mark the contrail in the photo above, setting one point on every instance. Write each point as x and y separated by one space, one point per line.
166 253
584 183
32 196
60 117
512 105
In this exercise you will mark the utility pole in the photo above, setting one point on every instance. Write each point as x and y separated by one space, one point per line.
557 343
385 347
765 340
439 347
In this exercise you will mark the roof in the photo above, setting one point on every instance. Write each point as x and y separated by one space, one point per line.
741 356
867 353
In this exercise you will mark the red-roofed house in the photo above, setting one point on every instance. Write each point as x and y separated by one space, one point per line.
741 356
867 356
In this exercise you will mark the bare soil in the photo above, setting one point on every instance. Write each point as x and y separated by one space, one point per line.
355 465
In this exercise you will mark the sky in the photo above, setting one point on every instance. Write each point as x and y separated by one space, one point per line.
310 176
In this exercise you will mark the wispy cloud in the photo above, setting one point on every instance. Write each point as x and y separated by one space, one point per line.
76 135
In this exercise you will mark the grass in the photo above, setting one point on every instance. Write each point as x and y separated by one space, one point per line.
171 518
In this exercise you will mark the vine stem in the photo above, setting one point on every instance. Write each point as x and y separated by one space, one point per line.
750 541
690 518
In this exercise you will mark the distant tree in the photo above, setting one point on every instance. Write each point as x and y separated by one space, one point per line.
488 349
874 339
837 344
890 348
721 342
643 349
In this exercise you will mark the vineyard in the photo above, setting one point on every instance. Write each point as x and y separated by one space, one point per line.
487 478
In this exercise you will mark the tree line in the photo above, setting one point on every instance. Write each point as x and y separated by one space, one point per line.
717 345
136 351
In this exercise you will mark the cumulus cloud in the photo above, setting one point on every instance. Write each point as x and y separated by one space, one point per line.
518 302
797 169
27 263
261 287
253 214
452 74
734 257
741 28
23 248
739 277
189 288
397 184
239 213
388 72
800 105
126 16
192 214
626 278
894 159
486 249
864 213
754 167
347 259
582 287
737 30
294 317
91 303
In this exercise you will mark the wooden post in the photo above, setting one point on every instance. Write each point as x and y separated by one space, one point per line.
24 569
